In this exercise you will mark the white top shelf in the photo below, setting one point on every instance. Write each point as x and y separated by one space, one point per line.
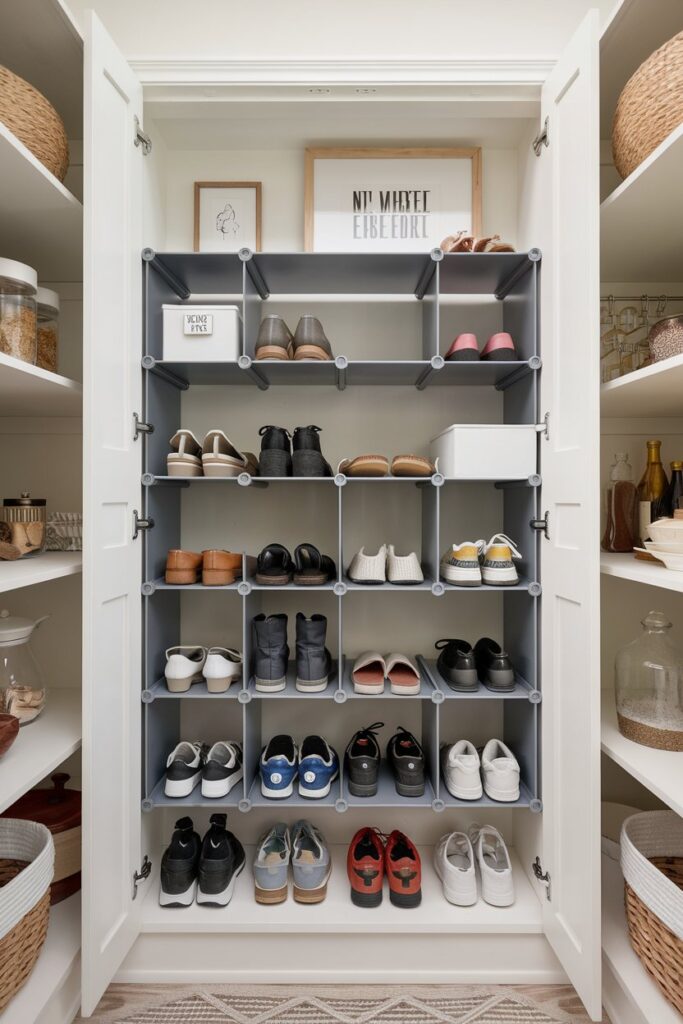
51 565
26 390
41 222
41 745
661 771
656 390
628 567
641 222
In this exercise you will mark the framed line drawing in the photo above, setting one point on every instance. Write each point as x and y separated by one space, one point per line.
389 200
227 216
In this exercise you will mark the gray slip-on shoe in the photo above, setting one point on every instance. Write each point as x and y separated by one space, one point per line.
311 865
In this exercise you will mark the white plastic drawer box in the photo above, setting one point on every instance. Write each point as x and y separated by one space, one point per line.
202 334
471 451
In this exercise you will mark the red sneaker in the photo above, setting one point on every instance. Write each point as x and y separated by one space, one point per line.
463 349
365 868
500 348
402 865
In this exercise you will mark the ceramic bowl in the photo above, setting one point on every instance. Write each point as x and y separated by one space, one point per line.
9 727
667 531
670 548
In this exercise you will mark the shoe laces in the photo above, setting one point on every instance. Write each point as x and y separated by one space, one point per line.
369 732
311 426
502 538
440 644
271 426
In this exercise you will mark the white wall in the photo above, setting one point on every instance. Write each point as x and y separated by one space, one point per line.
311 29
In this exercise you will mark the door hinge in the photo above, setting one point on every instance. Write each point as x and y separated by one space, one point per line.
541 876
544 428
141 138
140 427
141 524
141 875
542 524
543 138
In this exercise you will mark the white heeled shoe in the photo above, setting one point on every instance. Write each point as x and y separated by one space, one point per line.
222 668
220 457
186 457
184 667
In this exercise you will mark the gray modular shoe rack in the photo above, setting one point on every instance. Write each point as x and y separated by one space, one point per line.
248 280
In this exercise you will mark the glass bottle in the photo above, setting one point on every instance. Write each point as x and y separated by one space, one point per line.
22 689
648 679
621 520
674 491
651 490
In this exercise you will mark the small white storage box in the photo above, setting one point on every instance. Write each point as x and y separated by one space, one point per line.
202 334
470 451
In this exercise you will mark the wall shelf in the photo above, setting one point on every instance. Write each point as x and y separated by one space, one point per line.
27 390
661 771
652 391
628 567
51 565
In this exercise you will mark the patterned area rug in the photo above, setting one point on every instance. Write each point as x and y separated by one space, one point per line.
242 1004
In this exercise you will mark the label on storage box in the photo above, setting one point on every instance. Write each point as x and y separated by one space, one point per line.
198 323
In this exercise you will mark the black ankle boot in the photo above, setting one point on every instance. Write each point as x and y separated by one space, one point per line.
271 652
307 458
313 660
276 452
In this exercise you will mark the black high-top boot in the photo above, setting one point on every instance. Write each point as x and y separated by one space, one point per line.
271 652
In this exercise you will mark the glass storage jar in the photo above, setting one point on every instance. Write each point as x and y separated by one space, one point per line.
23 523
22 688
18 323
648 677
48 329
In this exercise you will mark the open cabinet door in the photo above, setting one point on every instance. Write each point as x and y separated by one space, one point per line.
560 214
111 566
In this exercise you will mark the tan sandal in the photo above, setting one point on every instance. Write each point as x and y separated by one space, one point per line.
411 465
364 465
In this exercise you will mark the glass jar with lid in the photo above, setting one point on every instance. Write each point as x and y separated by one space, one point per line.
18 313
648 677
48 329
23 524
22 688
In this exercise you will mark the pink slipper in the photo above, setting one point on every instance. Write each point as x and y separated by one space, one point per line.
500 348
463 349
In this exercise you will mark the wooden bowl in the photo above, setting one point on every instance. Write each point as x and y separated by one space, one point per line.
9 727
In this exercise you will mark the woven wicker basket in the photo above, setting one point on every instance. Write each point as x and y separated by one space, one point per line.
652 863
650 106
26 869
34 121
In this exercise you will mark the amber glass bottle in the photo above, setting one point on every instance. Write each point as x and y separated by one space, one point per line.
651 489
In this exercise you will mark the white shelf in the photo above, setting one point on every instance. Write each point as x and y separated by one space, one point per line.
339 915
655 390
27 390
661 771
641 222
625 965
41 222
51 565
41 745
628 567
56 960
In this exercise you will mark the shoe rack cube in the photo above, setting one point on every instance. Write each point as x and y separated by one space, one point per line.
346 513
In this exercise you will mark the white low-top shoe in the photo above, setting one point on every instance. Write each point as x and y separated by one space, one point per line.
460 564
460 768
185 457
493 862
403 570
220 457
500 771
183 768
454 865
497 561
223 666
369 569
184 667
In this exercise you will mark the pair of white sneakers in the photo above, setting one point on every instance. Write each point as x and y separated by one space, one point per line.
219 667
459 857
467 777
385 567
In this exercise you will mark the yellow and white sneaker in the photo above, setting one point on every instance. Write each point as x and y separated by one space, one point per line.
497 567
460 565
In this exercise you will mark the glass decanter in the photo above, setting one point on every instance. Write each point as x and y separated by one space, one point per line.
648 678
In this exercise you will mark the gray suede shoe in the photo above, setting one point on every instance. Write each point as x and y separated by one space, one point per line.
310 341
311 866
271 865
274 339
313 660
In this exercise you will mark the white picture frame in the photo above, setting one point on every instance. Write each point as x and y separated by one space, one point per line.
227 216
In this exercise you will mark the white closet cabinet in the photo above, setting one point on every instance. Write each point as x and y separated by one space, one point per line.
129 203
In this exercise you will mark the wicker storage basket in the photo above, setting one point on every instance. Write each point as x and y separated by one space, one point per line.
650 106
652 863
34 121
26 868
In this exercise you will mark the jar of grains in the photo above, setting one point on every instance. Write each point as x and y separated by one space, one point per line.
648 676
48 329
18 315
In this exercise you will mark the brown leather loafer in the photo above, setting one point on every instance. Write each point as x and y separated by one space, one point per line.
220 568
182 566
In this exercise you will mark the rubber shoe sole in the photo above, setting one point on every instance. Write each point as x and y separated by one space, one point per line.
270 896
366 899
220 899
178 899
407 900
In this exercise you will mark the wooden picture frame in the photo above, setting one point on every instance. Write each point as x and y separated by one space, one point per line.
254 242
467 153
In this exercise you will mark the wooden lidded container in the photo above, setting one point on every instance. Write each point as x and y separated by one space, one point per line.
59 809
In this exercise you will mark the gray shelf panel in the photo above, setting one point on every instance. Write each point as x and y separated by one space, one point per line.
161 584
478 273
522 690
159 799
426 687
204 273
291 691
258 800
478 374
370 588
300 588
450 801
341 273
386 795
159 691
521 587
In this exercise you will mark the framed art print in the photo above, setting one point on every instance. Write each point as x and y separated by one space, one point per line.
227 216
390 200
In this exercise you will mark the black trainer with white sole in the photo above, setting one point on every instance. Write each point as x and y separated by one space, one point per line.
180 866
407 763
223 769
220 864
362 761
184 768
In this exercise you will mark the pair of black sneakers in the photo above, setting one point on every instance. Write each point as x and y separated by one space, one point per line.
206 869
404 756
463 667
285 455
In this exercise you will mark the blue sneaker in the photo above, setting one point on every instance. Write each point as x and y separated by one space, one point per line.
271 865
318 767
311 864
278 767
